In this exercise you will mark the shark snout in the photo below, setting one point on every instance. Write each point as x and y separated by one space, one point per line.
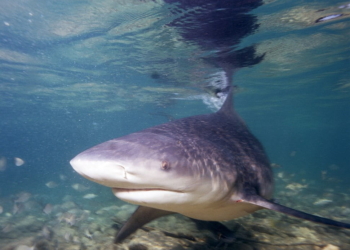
105 172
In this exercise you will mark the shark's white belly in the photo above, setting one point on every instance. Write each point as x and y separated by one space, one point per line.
209 209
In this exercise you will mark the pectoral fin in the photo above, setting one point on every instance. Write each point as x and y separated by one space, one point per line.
140 217
257 200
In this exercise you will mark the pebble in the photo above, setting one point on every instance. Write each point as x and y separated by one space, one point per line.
330 247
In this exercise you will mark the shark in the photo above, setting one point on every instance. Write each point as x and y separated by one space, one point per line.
207 167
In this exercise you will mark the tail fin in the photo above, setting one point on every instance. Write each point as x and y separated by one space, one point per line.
257 200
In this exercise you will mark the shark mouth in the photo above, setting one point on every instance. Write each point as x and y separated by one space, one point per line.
117 190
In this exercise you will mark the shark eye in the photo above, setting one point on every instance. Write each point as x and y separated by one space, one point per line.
165 165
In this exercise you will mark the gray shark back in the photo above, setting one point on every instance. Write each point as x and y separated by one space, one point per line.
221 143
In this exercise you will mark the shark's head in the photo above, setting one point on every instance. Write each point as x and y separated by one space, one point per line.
148 169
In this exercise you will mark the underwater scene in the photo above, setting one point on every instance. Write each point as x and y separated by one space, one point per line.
75 74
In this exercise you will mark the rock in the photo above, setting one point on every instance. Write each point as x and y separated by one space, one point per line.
23 247
243 246
43 245
68 205
330 247
94 227
137 247
345 212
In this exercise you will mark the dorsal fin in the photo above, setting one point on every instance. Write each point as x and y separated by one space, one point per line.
227 107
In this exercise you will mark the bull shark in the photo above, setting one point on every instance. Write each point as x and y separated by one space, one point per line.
207 167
